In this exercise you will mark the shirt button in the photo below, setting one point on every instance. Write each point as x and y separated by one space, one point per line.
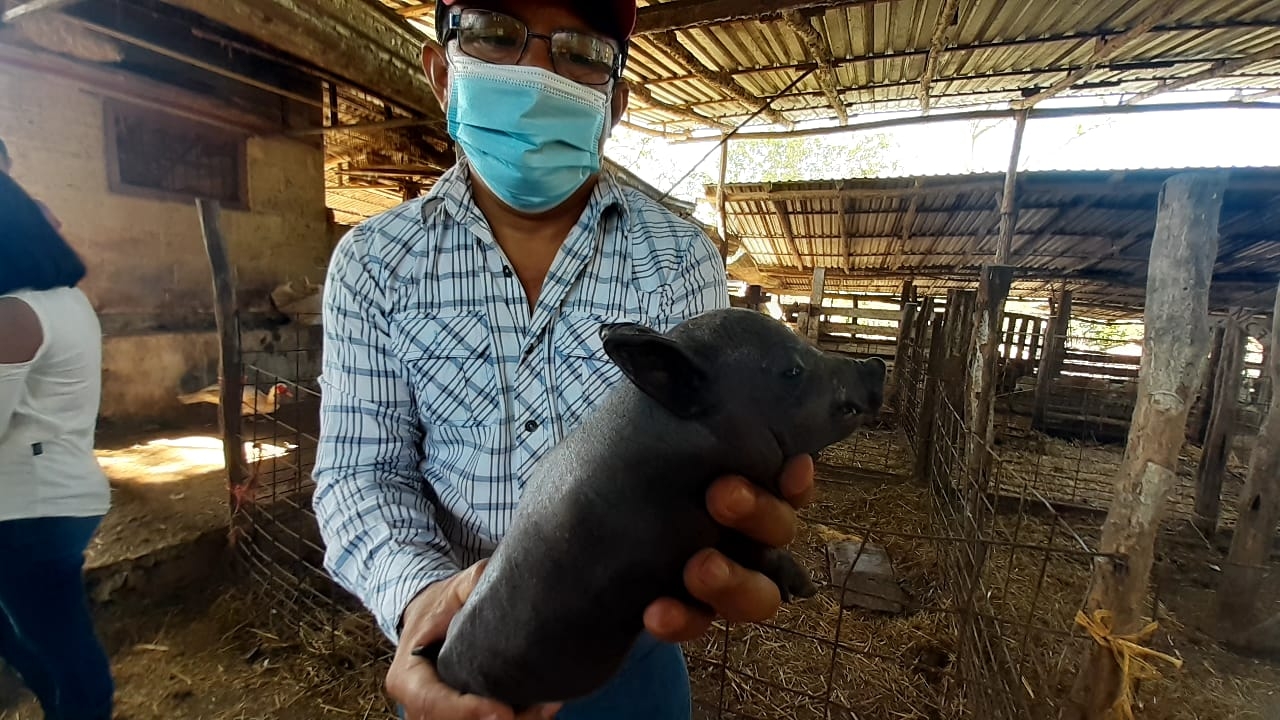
531 426
506 271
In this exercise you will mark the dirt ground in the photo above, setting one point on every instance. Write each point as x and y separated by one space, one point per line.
208 641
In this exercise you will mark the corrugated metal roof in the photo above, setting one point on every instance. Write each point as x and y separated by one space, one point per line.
1085 231
878 51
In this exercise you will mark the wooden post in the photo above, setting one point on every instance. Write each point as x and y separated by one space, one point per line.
1222 425
926 425
1240 607
1051 358
230 397
814 323
721 217
1183 252
1009 198
981 382
1198 428
901 358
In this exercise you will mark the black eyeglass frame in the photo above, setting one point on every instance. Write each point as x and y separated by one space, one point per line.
450 22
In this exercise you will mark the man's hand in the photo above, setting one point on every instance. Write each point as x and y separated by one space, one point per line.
412 681
733 592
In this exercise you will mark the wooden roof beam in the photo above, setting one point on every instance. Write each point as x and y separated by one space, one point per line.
787 233
722 81
908 224
643 94
1222 68
820 52
846 242
350 38
948 21
1036 114
1103 51
687 14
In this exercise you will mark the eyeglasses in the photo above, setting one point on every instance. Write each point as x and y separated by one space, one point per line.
494 37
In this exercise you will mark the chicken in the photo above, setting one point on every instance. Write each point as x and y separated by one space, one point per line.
254 401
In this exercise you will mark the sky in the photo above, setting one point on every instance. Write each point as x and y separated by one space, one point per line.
1186 138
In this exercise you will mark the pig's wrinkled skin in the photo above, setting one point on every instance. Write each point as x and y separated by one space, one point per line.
613 513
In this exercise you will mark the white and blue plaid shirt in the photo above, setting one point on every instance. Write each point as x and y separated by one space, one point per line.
440 389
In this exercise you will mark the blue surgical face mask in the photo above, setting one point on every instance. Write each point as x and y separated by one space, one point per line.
531 135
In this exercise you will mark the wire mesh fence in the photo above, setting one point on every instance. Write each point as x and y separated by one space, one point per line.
943 595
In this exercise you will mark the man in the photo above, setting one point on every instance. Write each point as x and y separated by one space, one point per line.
461 344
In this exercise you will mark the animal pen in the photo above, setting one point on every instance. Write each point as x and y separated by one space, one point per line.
955 573
964 541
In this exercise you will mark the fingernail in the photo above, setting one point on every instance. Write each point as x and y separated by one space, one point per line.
714 571
739 502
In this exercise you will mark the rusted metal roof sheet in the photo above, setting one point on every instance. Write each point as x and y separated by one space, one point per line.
879 51
1085 231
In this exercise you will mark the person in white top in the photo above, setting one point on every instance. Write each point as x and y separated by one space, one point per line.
53 493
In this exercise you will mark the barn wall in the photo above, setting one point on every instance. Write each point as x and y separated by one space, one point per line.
149 276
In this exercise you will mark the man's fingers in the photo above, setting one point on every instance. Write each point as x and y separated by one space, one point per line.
672 621
796 483
734 502
737 594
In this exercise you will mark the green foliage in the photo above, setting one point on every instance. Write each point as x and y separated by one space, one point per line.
1105 336
775 160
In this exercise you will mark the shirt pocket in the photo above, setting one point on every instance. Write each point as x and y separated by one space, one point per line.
584 372
450 366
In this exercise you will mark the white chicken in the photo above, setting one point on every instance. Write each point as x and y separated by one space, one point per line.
253 401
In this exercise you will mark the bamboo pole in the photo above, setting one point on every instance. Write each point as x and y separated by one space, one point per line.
1183 251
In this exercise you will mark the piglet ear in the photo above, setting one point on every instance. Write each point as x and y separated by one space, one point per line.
660 367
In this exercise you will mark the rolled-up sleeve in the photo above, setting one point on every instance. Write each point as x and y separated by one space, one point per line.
382 541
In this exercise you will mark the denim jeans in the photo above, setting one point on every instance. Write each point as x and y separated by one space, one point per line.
652 684
46 628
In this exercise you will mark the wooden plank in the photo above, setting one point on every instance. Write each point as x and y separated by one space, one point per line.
1051 358
1177 342
1084 356
906 327
787 233
927 423
862 313
1221 431
1241 607
230 393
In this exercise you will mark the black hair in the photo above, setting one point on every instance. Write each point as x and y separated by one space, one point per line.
33 255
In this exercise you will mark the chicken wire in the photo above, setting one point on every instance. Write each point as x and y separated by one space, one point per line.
993 575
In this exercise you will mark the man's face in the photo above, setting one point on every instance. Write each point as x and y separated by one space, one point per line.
542 18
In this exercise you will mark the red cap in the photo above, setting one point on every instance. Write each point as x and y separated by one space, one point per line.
624 14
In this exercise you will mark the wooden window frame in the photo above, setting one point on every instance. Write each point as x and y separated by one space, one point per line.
114 108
